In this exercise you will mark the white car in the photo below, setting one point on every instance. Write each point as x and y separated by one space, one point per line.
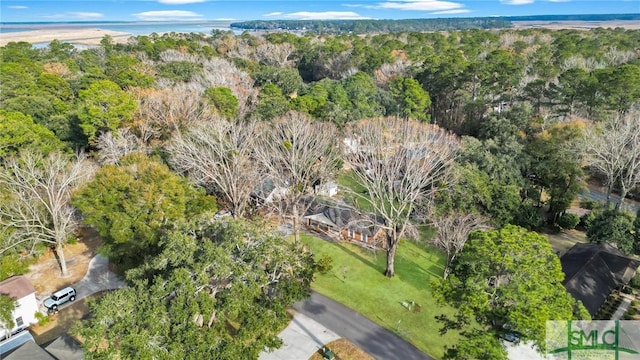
60 297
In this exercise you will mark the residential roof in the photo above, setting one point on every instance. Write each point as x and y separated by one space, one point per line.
28 351
65 348
16 287
7 345
346 218
593 271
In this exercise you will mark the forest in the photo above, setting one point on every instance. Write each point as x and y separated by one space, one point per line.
414 25
146 140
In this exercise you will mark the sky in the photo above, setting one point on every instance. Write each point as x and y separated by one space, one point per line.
232 10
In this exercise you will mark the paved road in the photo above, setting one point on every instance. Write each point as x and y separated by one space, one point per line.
369 336
597 194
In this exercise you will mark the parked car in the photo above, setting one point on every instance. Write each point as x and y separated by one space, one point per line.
60 297
511 337
222 214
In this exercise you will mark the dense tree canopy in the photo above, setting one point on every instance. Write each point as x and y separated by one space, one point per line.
507 276
216 290
133 204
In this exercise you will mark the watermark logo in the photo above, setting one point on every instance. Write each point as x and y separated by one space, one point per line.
602 339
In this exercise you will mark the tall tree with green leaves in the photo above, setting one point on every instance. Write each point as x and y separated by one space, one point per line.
223 101
132 205
18 132
217 290
556 166
506 280
104 107
411 99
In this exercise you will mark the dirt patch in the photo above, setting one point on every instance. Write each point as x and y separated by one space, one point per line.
344 350
45 274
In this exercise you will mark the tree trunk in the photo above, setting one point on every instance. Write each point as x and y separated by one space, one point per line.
447 266
609 190
296 224
61 259
623 195
391 255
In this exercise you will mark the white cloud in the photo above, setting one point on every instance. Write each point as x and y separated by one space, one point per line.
417 5
76 15
322 15
453 11
180 2
18 7
516 2
166 15
275 13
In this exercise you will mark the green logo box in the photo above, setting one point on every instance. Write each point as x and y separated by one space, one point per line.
598 339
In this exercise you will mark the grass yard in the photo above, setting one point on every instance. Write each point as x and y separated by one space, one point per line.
348 180
357 281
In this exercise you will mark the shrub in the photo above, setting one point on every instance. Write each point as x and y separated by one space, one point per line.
42 318
529 217
632 311
568 221
324 264
587 220
635 282
589 204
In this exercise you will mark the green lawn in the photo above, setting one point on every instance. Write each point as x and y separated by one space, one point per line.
358 282
348 180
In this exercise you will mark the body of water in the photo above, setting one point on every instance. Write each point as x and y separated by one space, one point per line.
133 28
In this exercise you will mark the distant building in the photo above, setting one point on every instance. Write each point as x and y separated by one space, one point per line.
20 289
267 192
593 271
329 189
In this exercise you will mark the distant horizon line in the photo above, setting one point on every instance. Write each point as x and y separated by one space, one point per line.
201 21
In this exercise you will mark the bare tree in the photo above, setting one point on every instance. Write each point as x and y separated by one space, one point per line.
399 163
629 175
37 208
453 232
297 153
613 150
114 146
275 54
218 154
163 112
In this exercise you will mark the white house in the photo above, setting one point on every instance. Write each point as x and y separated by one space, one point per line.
267 192
20 289
329 189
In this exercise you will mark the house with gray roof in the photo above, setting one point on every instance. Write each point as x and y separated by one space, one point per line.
593 271
347 224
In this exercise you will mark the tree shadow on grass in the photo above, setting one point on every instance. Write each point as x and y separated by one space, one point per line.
360 257
418 275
